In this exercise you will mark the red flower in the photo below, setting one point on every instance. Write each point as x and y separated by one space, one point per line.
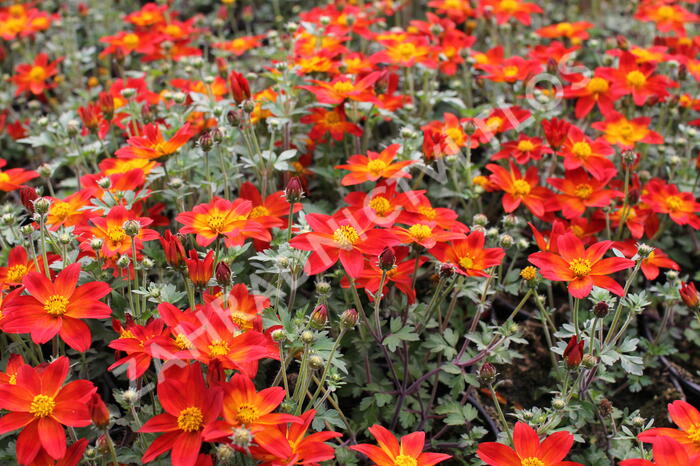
333 121
667 452
57 308
626 133
504 10
346 236
510 70
40 405
375 166
521 189
135 340
591 92
637 79
150 144
556 131
189 408
18 265
110 230
391 453
240 89
579 150
523 150
401 275
173 248
271 211
528 449
341 88
580 191
469 255
582 268
687 418
33 78
655 260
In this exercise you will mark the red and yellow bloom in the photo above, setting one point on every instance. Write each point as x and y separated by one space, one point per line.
391 453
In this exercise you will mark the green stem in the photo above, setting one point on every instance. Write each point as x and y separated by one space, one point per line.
618 310
327 367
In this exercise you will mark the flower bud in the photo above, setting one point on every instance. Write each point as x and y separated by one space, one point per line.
233 117
469 127
206 142
387 260
644 250
104 182
278 335
223 274
487 374
689 295
348 319
123 262
319 317
307 336
45 170
446 271
511 221
316 362
589 361
323 288
131 227
629 156
601 309
480 219
41 205
241 437
27 196
558 404
505 241
98 411
573 354
96 244
294 190
529 273
605 407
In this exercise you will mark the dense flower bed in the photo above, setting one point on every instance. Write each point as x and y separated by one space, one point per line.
399 233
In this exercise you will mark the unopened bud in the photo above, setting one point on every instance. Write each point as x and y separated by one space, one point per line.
505 241
387 260
131 227
123 262
487 374
278 335
589 361
480 219
294 190
319 317
316 362
447 271
104 182
469 127
27 196
307 337
223 274
241 437
601 309
644 250
348 319
41 205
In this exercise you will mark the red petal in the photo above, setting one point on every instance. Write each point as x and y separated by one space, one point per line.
52 436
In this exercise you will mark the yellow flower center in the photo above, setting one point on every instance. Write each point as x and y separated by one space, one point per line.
116 234
565 29
376 167
218 348
182 342
130 40
674 203
597 85
247 414
259 211
37 73
508 6
42 406
173 30
510 71
405 460
127 334
526 145
456 135
241 319
13 379
580 267
626 129
380 205
331 118
532 462
16 273
343 87
694 434
521 187
190 419
56 305
664 13
466 262
346 236
216 222
494 123
528 273
582 149
420 231
406 50
636 79
427 212
61 210
583 191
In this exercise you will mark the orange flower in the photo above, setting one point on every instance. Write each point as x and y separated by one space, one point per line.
668 17
125 42
665 198
333 121
110 229
519 189
69 211
523 150
511 70
591 92
507 9
469 255
391 453
528 451
457 10
626 133
406 53
637 79
18 265
221 217
375 166
34 77
581 268
577 31
150 144
687 418
240 45
341 88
